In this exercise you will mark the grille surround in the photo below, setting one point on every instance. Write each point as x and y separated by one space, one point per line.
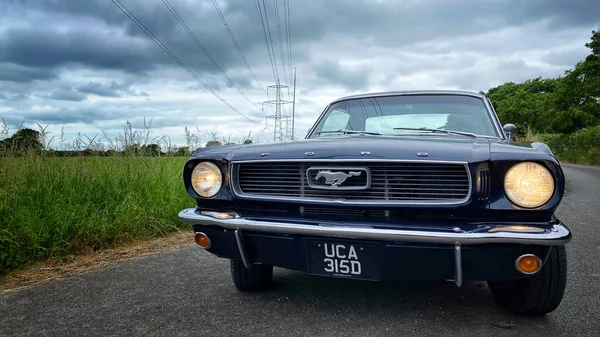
303 164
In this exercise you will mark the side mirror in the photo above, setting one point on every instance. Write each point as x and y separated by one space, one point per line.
510 130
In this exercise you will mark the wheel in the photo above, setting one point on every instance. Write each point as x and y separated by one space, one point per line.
538 294
259 277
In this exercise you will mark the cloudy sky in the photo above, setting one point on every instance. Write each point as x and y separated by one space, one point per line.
85 66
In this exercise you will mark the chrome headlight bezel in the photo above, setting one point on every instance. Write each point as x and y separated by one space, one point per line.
537 170
211 174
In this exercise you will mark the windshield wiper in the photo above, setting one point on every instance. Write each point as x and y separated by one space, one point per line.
351 132
468 134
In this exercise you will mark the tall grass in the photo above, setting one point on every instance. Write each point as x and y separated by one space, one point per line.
92 193
54 207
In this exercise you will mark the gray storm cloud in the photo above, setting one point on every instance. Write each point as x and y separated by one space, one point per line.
72 63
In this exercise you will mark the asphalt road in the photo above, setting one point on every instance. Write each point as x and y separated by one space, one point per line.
188 292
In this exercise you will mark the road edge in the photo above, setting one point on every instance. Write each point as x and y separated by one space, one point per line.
52 270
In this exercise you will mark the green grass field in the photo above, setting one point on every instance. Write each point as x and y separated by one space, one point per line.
56 207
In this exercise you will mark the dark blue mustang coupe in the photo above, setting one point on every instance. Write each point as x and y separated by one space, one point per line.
418 185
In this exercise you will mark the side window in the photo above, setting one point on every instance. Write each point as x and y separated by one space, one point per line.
335 120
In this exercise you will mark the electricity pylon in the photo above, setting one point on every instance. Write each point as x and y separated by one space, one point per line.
278 133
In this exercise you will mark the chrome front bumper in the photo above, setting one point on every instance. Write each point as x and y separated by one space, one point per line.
558 234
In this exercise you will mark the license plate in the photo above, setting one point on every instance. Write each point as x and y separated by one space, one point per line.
343 259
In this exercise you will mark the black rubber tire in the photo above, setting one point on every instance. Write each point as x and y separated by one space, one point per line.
539 294
259 277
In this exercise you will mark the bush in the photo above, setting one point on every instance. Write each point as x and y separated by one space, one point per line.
581 147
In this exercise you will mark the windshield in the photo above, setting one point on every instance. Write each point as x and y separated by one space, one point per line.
406 114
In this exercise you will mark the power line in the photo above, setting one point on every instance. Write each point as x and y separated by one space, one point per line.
235 43
286 5
270 38
280 110
271 41
193 36
266 39
174 57
277 21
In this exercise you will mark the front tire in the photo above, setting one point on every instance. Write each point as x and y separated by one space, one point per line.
538 294
259 277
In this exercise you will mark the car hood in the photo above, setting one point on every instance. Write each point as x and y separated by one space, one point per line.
503 150
351 146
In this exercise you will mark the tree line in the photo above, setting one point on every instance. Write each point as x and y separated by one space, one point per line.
561 105
27 141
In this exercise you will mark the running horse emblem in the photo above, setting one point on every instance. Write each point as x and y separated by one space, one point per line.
335 179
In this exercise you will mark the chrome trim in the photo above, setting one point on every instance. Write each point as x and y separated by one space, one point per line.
241 244
235 188
312 184
314 126
494 116
518 229
220 215
521 257
458 273
558 234
409 93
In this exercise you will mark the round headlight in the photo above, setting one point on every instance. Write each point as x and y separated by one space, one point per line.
206 179
529 184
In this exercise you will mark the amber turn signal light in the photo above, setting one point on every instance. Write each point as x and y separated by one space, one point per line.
202 240
528 264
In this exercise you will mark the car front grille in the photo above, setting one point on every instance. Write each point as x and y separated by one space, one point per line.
390 182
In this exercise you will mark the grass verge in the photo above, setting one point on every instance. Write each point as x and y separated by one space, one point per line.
52 269
61 207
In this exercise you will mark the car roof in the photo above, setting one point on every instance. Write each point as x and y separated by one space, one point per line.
412 92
